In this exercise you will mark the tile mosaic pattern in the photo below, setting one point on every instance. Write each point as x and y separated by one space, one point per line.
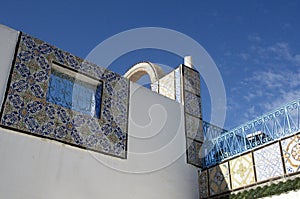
194 127
203 184
177 85
193 104
191 80
219 179
192 107
241 171
27 109
268 163
291 154
167 86
193 151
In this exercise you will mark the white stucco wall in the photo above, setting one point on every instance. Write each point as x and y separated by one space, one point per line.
35 168
8 41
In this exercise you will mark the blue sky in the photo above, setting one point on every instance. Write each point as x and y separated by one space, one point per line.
255 44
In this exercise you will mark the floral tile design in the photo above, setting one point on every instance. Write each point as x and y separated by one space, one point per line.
241 171
291 153
193 114
203 184
268 163
167 86
193 104
191 80
219 179
193 150
194 128
27 109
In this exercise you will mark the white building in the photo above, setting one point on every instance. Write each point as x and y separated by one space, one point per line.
71 129
131 143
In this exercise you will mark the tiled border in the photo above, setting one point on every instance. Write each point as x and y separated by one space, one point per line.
219 179
26 110
192 109
291 154
268 163
193 150
203 184
194 128
242 171
283 148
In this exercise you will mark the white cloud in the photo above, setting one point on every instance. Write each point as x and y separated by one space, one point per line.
274 87
267 79
278 53
254 37
252 95
285 97
297 58
250 113
244 56
286 26
264 91
272 79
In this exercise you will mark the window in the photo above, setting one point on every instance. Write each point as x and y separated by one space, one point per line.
74 91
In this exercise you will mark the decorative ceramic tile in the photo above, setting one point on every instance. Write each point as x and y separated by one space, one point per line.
167 86
28 109
241 171
177 85
268 163
219 179
192 104
203 184
193 152
191 80
291 153
194 127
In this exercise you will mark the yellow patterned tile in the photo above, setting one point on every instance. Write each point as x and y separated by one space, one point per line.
219 179
241 171
291 153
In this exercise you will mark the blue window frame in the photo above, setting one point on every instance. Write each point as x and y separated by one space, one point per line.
74 91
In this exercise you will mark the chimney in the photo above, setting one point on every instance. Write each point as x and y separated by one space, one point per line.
188 61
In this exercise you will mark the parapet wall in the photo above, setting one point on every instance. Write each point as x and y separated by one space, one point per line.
46 150
269 162
183 86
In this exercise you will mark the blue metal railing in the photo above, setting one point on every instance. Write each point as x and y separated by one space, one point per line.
220 144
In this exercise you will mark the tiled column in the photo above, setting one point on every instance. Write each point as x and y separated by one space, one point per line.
193 114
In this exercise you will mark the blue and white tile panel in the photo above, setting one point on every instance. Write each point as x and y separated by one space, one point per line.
27 110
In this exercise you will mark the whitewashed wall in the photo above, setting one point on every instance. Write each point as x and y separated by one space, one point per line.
32 167
8 40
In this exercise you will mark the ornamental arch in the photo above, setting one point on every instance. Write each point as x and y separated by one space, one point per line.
138 70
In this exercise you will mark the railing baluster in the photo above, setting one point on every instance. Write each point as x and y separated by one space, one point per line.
271 126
